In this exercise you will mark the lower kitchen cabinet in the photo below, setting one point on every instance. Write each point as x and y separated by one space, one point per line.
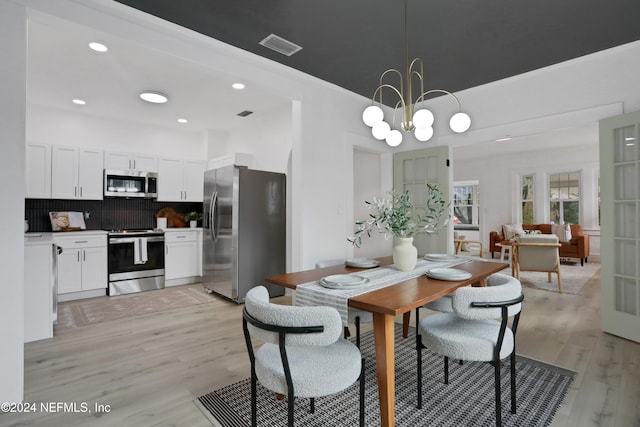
82 265
39 287
182 256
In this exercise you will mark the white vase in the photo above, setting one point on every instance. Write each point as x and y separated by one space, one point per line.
193 224
405 255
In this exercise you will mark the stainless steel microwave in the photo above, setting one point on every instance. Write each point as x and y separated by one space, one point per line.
130 183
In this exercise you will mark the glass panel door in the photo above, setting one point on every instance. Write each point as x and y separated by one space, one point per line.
412 170
620 213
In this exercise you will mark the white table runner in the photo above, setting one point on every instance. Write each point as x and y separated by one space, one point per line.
313 293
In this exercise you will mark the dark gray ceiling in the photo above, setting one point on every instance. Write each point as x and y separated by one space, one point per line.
463 43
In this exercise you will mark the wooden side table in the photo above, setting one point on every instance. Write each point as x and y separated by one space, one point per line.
506 251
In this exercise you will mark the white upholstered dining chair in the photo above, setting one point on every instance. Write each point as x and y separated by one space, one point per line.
303 355
470 332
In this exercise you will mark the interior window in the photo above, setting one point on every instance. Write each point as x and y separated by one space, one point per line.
564 198
527 196
466 204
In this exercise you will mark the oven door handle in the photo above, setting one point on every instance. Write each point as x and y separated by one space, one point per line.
123 240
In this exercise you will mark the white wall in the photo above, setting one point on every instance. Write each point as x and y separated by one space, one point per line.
13 45
266 137
62 127
367 184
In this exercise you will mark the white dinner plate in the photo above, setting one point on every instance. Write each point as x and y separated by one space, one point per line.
362 263
440 257
344 279
451 274
345 284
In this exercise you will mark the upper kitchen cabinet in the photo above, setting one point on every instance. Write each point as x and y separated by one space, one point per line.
125 161
180 180
76 173
238 159
38 171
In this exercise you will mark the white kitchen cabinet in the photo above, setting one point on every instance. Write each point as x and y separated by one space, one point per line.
39 300
82 265
183 256
239 159
194 180
117 160
180 180
76 173
38 171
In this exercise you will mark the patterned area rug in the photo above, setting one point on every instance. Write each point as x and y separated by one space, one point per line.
73 314
574 277
468 400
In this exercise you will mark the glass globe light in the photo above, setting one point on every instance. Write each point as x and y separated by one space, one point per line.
394 138
423 118
460 122
381 130
372 115
423 134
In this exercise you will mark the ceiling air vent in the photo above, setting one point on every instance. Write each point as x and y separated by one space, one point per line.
280 45
245 113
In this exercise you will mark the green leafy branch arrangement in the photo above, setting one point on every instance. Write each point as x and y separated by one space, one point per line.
395 216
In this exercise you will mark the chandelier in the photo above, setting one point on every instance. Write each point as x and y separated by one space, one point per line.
418 120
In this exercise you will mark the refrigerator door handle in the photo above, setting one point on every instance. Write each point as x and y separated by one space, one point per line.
213 213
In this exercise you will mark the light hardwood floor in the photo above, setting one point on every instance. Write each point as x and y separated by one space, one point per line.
149 368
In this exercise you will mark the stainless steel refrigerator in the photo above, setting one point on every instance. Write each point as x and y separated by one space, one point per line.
244 230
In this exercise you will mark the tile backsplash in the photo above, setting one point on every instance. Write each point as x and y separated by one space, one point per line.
107 214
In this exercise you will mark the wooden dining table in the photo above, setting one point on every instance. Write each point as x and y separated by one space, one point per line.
386 304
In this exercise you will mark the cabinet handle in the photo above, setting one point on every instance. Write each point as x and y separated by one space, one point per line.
80 191
134 163
81 241
180 237
75 191
84 256
78 256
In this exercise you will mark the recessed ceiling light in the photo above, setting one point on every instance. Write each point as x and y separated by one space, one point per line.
237 86
629 138
98 47
79 101
182 120
154 97
503 139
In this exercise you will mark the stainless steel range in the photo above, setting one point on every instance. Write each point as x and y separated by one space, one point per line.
136 261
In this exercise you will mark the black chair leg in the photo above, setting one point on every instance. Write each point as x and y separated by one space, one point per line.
496 367
446 370
513 382
357 321
346 334
290 409
312 405
254 403
582 262
362 383
419 364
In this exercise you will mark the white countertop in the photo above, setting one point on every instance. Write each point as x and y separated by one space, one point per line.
181 229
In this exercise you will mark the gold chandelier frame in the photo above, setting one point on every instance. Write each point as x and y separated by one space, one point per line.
373 116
